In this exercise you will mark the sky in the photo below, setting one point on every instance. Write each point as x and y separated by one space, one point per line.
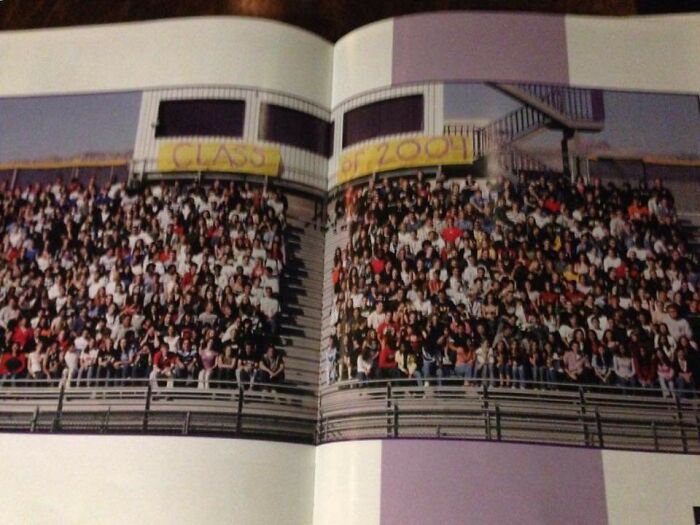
648 123
36 128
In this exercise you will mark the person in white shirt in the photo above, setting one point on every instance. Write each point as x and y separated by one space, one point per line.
515 215
599 231
269 281
71 360
271 308
540 218
377 317
471 271
364 366
618 226
611 261
8 313
357 298
677 326
422 305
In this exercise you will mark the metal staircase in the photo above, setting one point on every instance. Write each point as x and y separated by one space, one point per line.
301 289
544 107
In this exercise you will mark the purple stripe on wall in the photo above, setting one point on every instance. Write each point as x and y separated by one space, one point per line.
458 482
480 46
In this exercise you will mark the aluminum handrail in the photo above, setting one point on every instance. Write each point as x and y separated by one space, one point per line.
529 386
580 416
265 411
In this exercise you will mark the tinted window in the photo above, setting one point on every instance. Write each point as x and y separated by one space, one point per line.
386 117
200 118
295 128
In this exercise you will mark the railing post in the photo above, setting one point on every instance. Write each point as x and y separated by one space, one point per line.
582 401
105 421
56 426
396 420
498 422
147 407
599 428
239 413
679 412
35 418
389 420
655 435
186 426
487 414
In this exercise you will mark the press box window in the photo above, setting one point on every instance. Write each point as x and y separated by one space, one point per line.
295 128
201 117
386 117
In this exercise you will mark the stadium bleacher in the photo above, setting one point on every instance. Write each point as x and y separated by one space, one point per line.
538 282
101 284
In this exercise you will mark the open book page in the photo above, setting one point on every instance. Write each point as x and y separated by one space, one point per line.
263 235
520 299
161 268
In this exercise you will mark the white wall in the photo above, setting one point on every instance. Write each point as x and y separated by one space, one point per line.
637 53
182 52
72 479
362 60
651 488
348 483
659 53
648 53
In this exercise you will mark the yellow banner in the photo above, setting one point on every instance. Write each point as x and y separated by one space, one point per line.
230 157
410 152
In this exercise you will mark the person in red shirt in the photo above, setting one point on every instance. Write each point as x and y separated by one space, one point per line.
645 364
573 295
388 367
349 200
337 274
163 366
13 365
549 296
551 204
450 232
22 334
188 277
637 211
621 271
378 262
387 327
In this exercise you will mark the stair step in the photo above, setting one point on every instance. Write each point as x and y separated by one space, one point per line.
312 282
301 321
301 342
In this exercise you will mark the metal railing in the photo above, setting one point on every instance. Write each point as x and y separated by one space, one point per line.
587 416
577 416
509 128
148 169
277 412
575 103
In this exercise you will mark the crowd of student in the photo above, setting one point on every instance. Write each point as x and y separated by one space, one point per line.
535 282
107 285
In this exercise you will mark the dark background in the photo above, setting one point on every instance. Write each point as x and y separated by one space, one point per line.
328 18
